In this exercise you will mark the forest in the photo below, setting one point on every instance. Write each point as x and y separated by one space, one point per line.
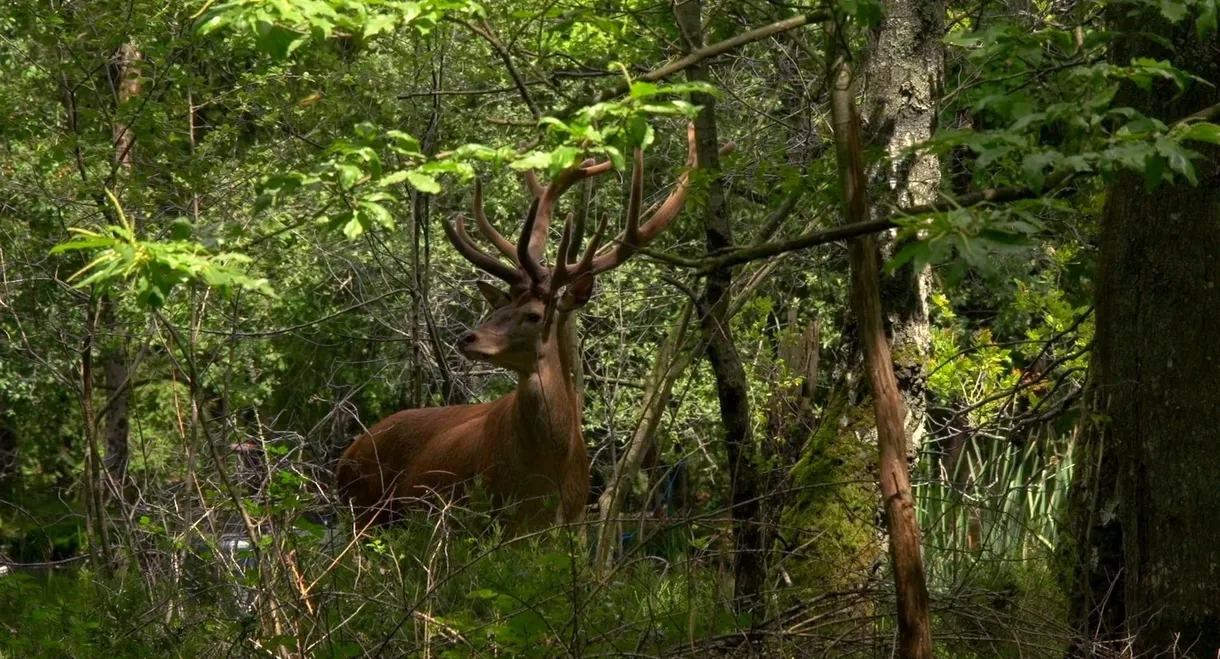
610 328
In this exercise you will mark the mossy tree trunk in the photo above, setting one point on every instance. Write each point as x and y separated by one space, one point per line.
903 77
1143 507
914 639
903 82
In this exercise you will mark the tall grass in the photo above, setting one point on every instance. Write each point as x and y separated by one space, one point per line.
1001 504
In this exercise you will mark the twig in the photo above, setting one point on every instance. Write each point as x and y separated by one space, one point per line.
490 36
697 56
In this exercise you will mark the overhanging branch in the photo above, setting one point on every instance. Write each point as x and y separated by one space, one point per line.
844 232
697 56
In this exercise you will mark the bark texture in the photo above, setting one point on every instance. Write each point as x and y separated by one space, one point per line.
114 353
1144 505
8 452
904 76
1158 318
914 625
732 388
118 394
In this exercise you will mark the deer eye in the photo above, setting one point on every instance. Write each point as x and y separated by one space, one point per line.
533 316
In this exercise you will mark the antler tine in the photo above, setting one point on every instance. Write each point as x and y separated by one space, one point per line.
586 261
578 230
461 241
550 196
529 263
632 232
561 264
627 244
531 182
672 205
489 232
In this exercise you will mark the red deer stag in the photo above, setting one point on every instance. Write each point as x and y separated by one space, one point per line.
527 445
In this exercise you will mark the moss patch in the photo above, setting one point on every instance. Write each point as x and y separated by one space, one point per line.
831 516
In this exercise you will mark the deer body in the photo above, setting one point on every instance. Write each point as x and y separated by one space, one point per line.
527 445
523 447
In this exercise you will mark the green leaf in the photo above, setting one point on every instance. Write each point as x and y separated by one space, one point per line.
617 159
989 156
1179 158
555 124
379 23
348 175
917 251
996 239
1027 120
639 132
535 160
83 243
277 41
1173 10
210 23
640 89
1202 132
692 87
393 178
405 141
1206 21
1131 156
1034 165
423 183
378 214
564 156
1154 171
353 229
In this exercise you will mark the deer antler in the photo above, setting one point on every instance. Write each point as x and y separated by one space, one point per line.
550 195
489 232
527 254
484 261
636 235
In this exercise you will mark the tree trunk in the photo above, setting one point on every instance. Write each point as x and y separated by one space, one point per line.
732 388
9 468
97 521
118 393
1145 499
904 76
114 354
1158 305
914 627
127 87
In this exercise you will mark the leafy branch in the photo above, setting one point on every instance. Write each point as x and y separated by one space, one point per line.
156 267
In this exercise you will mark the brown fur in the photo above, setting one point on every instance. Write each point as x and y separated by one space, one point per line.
524 447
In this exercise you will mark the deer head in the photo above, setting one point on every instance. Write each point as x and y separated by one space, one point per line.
521 327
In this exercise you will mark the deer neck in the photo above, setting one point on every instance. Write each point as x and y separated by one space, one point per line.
547 402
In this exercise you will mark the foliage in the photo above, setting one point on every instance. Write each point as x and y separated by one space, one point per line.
1045 110
279 28
268 277
157 267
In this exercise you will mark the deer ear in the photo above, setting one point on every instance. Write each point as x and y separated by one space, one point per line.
577 295
494 296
